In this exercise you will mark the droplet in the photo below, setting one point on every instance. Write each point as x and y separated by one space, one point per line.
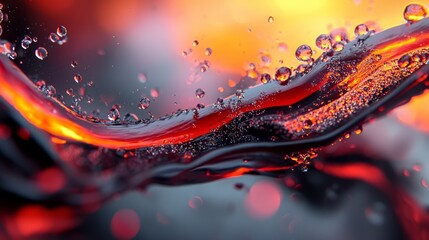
323 42
142 77
199 93
208 51
41 85
270 19
338 47
144 103
404 61
26 41
69 92
282 47
304 53
265 77
74 64
414 12
239 93
283 74
35 39
195 43
358 130
307 124
154 92
53 37
41 53
62 31
252 66
203 68
50 91
78 78
361 30
195 202
339 35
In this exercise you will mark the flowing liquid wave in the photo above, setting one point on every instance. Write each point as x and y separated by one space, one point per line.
270 129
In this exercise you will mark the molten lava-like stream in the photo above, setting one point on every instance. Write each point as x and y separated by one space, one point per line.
56 119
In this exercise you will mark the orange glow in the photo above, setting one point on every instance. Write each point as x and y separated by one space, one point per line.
415 112
58 140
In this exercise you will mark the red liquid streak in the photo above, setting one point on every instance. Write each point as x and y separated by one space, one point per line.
56 119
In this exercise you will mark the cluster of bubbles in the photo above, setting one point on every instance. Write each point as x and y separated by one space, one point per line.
60 36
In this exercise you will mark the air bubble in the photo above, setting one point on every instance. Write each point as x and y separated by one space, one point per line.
208 51
270 19
239 93
195 43
74 64
53 37
404 61
361 30
114 114
41 53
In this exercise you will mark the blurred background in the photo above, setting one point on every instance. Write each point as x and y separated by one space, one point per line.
165 50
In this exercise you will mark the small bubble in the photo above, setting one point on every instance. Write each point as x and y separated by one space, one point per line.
41 85
361 30
41 53
203 68
195 202
35 39
283 74
74 64
26 41
323 42
208 51
142 77
200 106
303 53
265 77
270 19
53 37
282 47
78 78
307 124
144 103
195 43
414 13
358 130
62 31
404 61
199 93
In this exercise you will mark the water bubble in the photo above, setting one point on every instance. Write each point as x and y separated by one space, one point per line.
78 78
361 30
142 77
303 53
404 61
219 103
144 103
62 31
203 68
414 13
301 68
266 59
53 37
74 64
26 41
35 39
195 43
154 92
114 114
339 35
63 40
195 202
358 130
265 77
199 93
239 93
208 51
200 106
270 19
252 66
41 53
283 74
324 42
